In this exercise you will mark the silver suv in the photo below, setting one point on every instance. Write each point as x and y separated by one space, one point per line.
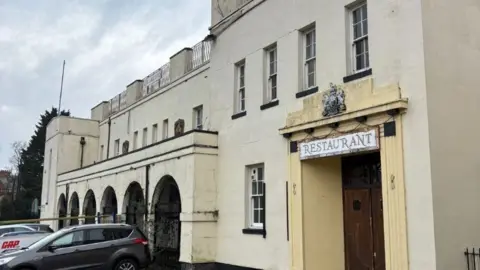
95 246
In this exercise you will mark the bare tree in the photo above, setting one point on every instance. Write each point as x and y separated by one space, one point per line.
15 160
18 147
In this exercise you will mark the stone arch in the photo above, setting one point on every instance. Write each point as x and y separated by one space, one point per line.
167 206
166 191
74 209
89 207
62 210
109 202
134 205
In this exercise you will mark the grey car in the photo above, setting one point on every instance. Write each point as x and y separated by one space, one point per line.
95 246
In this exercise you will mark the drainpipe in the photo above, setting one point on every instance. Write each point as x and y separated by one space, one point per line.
264 200
82 147
147 185
108 138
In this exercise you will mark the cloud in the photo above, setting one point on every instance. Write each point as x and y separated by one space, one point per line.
106 45
4 108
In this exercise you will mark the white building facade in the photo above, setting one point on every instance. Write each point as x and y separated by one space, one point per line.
202 153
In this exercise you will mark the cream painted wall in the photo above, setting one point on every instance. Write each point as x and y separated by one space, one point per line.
396 56
175 101
323 219
62 153
189 167
452 58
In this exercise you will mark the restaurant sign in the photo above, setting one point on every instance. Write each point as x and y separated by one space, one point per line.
344 144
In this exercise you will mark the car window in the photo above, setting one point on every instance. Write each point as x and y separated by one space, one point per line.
35 227
96 236
49 238
45 228
5 230
21 229
70 239
117 233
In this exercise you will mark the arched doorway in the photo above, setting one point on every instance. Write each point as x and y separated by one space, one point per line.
74 209
62 210
167 208
134 205
109 203
89 207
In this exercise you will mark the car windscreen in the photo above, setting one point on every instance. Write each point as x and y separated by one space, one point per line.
47 239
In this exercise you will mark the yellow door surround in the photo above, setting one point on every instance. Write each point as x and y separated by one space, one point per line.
365 108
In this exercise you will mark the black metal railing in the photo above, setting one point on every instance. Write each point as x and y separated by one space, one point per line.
472 257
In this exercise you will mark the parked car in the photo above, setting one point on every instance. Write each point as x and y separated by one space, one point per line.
22 233
93 246
39 227
18 240
24 228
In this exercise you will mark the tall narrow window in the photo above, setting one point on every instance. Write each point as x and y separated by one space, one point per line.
135 140
144 137
165 129
241 87
48 176
360 53
310 54
271 73
101 152
256 194
154 133
198 117
116 148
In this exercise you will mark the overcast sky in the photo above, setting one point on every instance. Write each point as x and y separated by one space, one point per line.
106 44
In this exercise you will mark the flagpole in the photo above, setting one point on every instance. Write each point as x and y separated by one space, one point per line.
61 90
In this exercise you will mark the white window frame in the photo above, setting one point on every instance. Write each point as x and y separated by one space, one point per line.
165 129
312 58
198 117
272 91
241 101
354 41
116 148
144 137
154 133
255 194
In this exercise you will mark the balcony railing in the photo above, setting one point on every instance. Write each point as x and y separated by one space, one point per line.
160 78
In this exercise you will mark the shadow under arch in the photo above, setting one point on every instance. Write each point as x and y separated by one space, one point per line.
167 206
134 205
62 210
74 208
109 204
89 207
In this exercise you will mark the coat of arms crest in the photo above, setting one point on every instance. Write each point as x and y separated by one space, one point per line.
333 101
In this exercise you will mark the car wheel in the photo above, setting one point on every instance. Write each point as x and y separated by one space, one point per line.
126 264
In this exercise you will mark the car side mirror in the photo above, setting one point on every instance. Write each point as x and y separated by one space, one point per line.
51 248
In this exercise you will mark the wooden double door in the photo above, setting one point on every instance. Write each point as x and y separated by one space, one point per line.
363 212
